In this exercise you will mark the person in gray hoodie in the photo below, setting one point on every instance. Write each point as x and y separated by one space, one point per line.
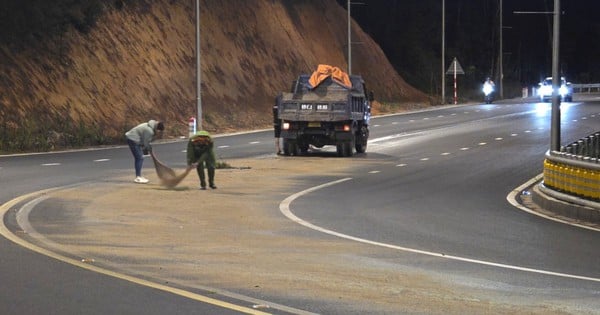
138 139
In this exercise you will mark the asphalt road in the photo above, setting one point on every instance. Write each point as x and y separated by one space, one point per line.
438 198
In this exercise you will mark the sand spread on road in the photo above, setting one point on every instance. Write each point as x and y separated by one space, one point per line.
235 238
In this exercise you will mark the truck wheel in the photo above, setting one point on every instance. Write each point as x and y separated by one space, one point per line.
286 147
361 140
348 149
361 147
303 147
340 149
344 149
290 147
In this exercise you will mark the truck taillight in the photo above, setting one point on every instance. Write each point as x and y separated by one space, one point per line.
286 126
346 127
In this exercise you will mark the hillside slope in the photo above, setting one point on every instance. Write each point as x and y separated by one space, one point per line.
139 63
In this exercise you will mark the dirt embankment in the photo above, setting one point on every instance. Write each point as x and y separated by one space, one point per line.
138 63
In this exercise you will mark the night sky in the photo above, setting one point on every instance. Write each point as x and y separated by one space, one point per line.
409 32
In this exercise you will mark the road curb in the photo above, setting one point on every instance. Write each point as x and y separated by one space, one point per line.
565 205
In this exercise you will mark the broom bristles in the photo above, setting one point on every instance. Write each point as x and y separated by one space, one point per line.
167 175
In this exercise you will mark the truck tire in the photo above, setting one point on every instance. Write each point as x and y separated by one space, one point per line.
339 148
361 145
290 147
361 140
344 149
348 149
303 146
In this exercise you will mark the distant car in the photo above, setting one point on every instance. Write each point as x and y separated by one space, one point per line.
565 90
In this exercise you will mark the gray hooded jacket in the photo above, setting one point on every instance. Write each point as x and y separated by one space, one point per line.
143 133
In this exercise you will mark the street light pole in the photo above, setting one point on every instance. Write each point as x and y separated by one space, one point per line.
556 80
555 120
443 52
198 92
349 42
500 57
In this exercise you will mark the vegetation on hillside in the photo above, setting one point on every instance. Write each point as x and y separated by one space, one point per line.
410 32
83 72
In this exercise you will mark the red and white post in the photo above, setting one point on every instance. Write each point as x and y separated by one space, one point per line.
192 126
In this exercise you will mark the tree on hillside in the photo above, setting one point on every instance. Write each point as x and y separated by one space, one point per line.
24 23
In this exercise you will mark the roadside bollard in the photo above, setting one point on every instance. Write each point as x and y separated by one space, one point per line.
191 126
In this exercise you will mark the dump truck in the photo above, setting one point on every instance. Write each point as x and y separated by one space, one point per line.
327 107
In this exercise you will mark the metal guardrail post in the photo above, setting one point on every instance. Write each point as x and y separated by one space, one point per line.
597 145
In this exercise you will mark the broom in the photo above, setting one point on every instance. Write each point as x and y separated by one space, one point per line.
167 175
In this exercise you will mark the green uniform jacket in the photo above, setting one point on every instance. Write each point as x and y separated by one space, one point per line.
200 148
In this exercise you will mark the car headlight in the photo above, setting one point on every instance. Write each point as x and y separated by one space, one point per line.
563 90
545 90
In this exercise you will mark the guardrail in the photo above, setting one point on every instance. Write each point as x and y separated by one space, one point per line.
575 169
583 88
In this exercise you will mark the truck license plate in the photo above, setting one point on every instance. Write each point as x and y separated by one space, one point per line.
314 124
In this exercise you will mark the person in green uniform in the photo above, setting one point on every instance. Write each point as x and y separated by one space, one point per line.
201 153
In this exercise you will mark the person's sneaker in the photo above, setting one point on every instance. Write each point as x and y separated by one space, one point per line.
213 186
141 180
202 187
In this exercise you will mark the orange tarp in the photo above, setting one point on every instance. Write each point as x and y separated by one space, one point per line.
324 71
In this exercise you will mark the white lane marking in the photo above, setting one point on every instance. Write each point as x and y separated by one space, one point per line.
464 149
401 165
392 137
255 142
482 143
284 208
499 139
222 147
514 134
527 131
101 160
424 159
87 263
445 153
512 199
374 172
50 164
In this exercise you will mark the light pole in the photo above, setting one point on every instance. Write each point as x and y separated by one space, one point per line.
349 42
555 116
443 52
198 93
500 56
555 124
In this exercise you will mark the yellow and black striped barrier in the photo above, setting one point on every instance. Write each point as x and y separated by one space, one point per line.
574 177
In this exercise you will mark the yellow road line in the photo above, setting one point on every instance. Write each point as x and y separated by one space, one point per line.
4 231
